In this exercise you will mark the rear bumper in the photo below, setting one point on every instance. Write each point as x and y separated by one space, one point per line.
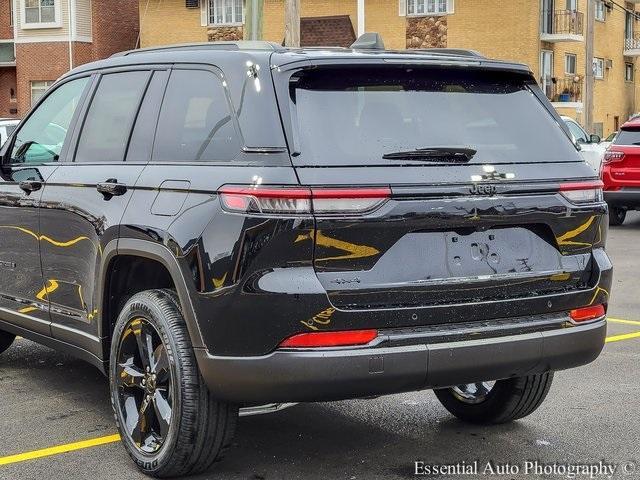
626 197
318 375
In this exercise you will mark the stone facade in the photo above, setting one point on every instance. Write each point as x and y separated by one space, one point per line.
218 34
426 32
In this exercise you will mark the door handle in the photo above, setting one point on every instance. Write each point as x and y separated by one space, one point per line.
28 186
111 188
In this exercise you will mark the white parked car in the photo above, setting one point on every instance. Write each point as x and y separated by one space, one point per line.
7 126
609 140
592 149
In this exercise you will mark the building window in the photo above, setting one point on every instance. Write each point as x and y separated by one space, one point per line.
429 7
38 88
41 14
601 14
226 12
598 67
572 5
628 72
11 13
570 61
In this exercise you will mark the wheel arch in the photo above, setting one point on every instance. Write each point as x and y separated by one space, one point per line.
148 251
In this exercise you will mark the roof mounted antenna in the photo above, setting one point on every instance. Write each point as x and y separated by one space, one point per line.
368 41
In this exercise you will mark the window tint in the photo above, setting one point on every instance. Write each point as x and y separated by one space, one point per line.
358 116
106 130
42 136
627 137
195 121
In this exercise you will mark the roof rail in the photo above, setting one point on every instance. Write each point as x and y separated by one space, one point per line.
224 45
453 51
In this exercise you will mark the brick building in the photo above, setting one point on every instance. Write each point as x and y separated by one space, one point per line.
40 40
547 35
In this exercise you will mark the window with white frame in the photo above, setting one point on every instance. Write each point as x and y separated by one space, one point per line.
628 72
601 11
38 88
39 11
429 7
570 61
226 12
598 67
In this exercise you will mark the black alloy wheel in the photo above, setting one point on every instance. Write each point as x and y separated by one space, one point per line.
170 423
145 385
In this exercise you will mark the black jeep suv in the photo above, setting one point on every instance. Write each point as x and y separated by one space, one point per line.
225 226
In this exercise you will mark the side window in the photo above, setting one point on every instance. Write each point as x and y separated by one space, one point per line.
42 137
106 130
195 121
577 132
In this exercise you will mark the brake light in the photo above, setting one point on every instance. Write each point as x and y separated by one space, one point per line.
302 200
347 338
612 157
582 192
585 314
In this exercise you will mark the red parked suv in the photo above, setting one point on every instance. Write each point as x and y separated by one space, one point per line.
620 172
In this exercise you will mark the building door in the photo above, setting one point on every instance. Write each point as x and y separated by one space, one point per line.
628 26
546 72
616 123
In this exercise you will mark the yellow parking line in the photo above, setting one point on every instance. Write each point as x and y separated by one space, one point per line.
69 447
617 338
620 320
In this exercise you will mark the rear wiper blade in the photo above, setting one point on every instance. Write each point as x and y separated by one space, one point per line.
434 154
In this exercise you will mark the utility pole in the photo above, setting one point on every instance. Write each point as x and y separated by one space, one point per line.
253 20
292 23
589 76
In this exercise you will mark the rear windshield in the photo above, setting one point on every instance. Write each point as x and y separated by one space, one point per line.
627 137
355 116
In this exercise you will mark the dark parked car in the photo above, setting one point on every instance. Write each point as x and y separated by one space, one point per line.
233 225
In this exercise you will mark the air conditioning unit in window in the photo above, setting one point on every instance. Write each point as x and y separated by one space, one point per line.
192 3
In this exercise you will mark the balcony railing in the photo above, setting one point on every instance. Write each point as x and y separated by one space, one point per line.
562 22
563 90
632 42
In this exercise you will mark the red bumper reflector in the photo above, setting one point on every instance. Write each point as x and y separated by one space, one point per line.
330 339
587 313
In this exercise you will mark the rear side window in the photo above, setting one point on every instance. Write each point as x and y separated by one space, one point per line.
627 137
108 123
196 123
355 116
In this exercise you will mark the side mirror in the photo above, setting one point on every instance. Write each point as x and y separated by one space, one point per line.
594 138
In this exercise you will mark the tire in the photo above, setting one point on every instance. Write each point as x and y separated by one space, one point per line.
199 429
617 216
6 340
507 400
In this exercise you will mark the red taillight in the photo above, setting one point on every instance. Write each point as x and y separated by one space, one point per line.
347 338
276 200
612 156
582 192
585 314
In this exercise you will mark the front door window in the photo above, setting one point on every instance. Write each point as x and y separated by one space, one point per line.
41 138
